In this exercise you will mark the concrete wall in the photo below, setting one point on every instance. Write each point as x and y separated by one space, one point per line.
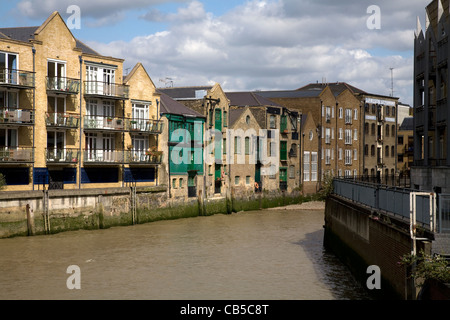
362 239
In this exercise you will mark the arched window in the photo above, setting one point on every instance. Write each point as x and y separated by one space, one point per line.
373 129
387 130
386 151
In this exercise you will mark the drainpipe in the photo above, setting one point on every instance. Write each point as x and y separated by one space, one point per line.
157 142
81 121
33 49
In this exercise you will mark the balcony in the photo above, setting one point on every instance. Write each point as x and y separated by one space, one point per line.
13 78
106 90
62 120
61 85
103 123
145 126
16 155
24 117
140 157
62 156
103 157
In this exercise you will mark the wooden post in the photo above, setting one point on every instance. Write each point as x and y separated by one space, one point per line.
30 219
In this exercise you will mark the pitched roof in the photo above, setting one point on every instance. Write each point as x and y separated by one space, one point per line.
235 114
407 124
25 34
242 99
336 87
310 93
187 93
170 106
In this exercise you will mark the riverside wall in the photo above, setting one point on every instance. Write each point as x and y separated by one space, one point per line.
361 238
47 212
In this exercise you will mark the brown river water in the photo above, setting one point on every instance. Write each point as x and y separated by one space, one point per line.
260 255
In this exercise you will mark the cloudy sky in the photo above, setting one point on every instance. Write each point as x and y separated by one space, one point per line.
247 44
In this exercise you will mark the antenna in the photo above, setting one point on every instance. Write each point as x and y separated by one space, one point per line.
392 82
167 81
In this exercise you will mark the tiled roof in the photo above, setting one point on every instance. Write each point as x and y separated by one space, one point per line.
170 106
336 87
252 99
184 92
25 34
408 124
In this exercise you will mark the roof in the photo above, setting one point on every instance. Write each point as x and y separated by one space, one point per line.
187 93
407 124
235 114
170 106
252 99
336 87
25 34
311 93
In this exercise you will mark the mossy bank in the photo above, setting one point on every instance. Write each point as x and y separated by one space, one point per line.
49 212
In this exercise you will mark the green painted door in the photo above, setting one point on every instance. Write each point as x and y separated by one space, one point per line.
218 122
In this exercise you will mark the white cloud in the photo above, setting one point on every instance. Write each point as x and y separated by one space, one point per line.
279 45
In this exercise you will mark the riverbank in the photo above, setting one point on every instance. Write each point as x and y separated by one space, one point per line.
50 212
309 205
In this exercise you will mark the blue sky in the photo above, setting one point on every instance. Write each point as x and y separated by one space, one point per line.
246 44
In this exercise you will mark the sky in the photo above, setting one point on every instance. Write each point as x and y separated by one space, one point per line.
247 44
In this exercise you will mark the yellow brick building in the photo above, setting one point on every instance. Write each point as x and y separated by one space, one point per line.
68 118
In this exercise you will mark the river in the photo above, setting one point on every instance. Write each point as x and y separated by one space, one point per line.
261 255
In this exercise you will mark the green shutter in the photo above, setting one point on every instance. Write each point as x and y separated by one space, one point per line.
283 150
218 124
283 125
283 174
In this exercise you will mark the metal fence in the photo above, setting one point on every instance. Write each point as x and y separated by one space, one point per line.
393 200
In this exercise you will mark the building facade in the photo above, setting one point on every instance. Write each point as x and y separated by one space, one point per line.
68 117
431 170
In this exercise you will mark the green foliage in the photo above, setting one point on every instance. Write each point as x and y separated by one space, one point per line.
427 267
327 187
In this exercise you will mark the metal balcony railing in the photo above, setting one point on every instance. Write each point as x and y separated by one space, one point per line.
62 155
143 157
16 155
104 89
63 85
103 157
62 120
17 116
17 78
145 125
103 123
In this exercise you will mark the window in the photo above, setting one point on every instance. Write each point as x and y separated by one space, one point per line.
387 130
314 159
373 129
247 145
247 120
327 135
272 122
328 114
247 180
225 119
181 183
8 66
224 146
327 156
355 114
366 128
355 154
341 133
341 113
291 172
174 183
392 151
387 110
340 153
393 131
355 134
306 166
237 145
311 135
372 151
237 180
366 150
348 116
348 136
393 111
386 151
283 123
348 157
